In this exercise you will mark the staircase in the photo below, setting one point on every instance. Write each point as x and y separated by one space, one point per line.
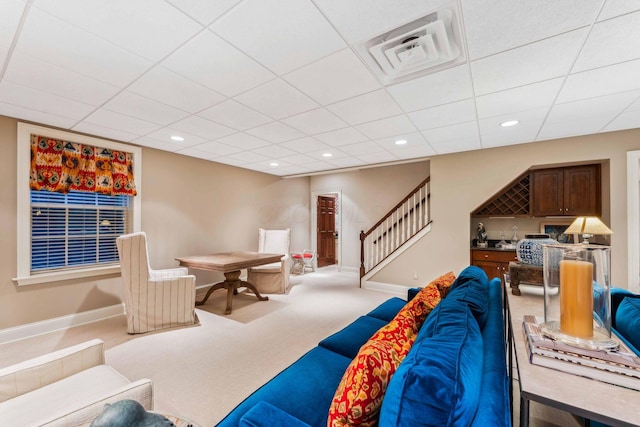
395 230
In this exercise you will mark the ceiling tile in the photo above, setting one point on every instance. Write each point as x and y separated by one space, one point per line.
602 81
603 46
334 78
565 129
416 146
249 157
518 99
345 162
202 127
277 99
216 148
628 120
22 113
192 152
387 127
434 89
225 70
59 81
235 115
366 108
495 26
44 102
280 34
298 159
358 20
494 135
11 12
172 89
163 135
57 42
315 121
143 108
304 145
274 151
122 122
104 132
141 24
341 137
275 132
618 7
379 157
243 141
521 66
458 137
204 11
328 154
444 115
361 148
169 145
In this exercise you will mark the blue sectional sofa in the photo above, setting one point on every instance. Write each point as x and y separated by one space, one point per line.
454 374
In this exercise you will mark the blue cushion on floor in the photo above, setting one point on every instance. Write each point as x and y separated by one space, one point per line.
388 309
438 383
304 390
628 320
348 340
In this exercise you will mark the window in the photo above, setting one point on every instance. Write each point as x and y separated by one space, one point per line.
70 236
75 229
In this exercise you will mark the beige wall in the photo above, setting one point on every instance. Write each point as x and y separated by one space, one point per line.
189 206
461 182
367 195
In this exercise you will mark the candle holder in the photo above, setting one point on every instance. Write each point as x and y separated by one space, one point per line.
577 301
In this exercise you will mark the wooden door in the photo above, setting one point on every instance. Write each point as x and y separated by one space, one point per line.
326 228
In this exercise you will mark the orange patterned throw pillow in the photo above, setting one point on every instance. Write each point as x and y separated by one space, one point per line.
359 395
444 283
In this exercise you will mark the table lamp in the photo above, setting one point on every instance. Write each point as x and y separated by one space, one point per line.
588 226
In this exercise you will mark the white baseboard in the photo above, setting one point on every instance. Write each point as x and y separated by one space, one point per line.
397 290
59 323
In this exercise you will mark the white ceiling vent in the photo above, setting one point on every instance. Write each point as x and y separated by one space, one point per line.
426 45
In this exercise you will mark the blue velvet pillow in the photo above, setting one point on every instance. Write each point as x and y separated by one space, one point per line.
388 309
349 339
628 320
474 293
438 383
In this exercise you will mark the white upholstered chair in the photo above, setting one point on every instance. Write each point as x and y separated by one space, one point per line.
272 278
154 299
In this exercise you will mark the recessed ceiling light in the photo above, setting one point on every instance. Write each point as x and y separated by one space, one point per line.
401 141
273 164
177 138
509 123
327 155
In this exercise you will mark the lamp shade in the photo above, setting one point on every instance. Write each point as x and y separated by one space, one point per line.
588 225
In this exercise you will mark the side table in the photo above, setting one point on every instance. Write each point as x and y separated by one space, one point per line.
527 273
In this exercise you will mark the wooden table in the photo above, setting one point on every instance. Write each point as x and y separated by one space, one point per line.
527 273
230 263
591 399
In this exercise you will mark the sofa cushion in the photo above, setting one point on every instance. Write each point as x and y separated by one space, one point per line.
348 340
628 320
388 309
264 414
304 389
438 383
469 274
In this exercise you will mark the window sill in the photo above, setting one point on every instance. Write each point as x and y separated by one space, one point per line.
59 276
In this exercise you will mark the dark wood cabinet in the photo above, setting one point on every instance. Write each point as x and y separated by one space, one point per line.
570 191
494 262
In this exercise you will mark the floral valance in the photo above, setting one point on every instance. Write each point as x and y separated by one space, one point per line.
62 166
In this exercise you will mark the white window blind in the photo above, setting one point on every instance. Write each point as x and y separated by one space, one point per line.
77 229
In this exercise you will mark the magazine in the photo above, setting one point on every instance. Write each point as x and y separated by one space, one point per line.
620 367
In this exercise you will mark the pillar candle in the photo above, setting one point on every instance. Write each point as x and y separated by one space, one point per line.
576 298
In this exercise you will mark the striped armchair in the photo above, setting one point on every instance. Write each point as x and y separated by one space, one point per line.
154 299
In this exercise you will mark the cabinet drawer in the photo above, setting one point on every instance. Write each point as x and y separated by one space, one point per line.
494 256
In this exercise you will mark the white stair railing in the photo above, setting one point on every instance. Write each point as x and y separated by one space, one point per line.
399 225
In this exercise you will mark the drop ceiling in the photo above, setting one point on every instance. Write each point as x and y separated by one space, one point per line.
253 83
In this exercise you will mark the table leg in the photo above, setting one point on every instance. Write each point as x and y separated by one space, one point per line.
515 281
524 412
231 283
210 291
